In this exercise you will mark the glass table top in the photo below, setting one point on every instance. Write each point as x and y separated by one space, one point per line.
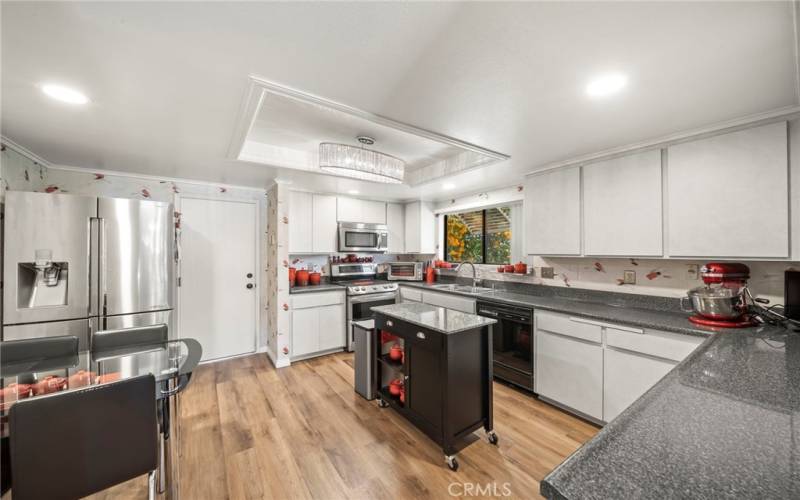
41 376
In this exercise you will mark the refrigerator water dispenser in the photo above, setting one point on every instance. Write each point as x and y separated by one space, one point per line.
42 283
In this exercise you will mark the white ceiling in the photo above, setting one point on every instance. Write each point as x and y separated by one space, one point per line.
167 79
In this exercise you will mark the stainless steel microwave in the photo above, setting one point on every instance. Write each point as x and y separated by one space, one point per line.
359 237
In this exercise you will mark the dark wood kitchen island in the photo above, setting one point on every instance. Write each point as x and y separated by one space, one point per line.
434 367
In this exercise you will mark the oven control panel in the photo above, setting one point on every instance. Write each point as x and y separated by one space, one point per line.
374 288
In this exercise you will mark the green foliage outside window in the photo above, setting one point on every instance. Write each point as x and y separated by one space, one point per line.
464 236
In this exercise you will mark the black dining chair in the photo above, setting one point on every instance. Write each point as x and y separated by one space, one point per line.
27 355
73 444
109 340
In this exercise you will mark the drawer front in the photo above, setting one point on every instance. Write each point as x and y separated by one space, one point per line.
410 294
410 333
569 326
306 300
664 345
448 301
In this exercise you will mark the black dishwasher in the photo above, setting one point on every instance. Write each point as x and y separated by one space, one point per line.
512 341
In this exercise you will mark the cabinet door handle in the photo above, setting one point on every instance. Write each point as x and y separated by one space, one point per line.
389 323
421 335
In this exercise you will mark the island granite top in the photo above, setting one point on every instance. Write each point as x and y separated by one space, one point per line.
440 319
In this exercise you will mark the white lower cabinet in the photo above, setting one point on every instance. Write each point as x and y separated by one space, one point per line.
449 301
408 294
318 323
332 328
305 331
570 372
626 376
598 369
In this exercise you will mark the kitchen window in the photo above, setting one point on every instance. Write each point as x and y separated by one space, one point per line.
479 236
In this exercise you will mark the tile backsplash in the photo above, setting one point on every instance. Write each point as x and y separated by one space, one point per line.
660 277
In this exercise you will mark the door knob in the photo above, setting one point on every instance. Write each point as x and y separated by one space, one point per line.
249 275
250 285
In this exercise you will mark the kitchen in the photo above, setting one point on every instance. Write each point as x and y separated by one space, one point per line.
536 261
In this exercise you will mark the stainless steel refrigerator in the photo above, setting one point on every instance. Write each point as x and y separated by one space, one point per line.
73 265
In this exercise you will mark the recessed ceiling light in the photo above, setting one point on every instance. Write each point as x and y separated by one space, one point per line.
64 94
353 191
606 85
448 186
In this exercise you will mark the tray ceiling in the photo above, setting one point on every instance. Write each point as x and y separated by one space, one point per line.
283 128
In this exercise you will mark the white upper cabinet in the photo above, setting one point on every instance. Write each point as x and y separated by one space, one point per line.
312 223
324 227
396 220
728 196
300 222
553 213
363 211
420 228
622 206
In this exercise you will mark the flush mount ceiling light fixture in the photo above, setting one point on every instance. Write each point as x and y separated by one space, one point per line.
606 85
360 163
64 94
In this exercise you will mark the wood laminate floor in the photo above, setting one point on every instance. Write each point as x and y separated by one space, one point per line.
251 431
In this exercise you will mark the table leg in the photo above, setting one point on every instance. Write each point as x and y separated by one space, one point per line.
167 434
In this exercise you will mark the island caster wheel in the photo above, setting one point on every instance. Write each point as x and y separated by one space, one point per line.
382 403
451 462
493 439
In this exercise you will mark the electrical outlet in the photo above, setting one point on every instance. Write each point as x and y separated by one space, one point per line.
548 273
629 277
692 272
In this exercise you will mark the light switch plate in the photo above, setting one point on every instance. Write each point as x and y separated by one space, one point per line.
548 273
629 277
692 272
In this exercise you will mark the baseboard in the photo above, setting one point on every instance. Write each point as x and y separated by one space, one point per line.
317 354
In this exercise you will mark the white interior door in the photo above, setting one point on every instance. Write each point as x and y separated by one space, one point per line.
218 252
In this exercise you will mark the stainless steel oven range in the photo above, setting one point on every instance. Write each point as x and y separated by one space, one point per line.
363 292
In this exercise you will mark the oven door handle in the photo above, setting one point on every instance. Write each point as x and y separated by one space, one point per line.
373 297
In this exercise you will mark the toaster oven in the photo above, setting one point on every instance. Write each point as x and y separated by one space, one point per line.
406 271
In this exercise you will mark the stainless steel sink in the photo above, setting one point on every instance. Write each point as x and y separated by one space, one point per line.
472 289
450 287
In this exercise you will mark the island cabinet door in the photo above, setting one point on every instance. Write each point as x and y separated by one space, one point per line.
424 387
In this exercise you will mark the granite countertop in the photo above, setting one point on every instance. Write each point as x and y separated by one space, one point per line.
322 287
446 321
725 423
670 321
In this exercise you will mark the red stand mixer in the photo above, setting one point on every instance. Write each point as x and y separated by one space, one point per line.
722 301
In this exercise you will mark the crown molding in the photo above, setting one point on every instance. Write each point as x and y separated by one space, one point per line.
159 178
24 151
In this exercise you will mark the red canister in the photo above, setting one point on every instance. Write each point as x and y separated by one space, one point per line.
292 272
314 278
396 353
301 277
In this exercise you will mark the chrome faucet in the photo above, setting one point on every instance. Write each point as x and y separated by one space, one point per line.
475 279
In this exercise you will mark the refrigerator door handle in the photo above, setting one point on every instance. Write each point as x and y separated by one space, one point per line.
101 270
94 265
